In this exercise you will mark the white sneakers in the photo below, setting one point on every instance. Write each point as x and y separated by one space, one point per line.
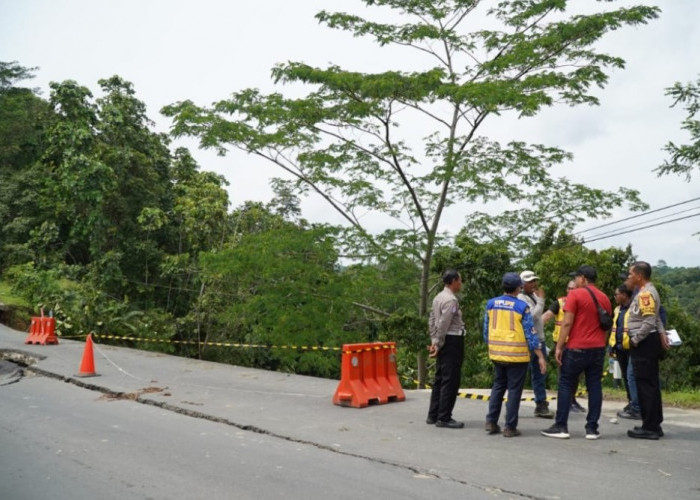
556 432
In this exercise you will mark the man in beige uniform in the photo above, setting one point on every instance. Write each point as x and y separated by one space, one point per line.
647 341
447 345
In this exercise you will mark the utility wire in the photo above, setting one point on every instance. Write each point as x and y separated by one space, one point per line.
646 221
640 228
636 216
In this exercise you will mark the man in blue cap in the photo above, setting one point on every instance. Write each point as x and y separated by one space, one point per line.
511 337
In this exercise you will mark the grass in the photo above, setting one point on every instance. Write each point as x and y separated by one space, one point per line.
9 299
689 398
19 311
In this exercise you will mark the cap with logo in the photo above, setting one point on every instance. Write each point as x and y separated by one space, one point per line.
511 280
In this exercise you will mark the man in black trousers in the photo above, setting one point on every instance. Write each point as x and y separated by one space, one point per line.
447 345
647 342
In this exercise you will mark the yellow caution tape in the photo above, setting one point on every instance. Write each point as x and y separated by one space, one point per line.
483 397
100 336
373 348
217 344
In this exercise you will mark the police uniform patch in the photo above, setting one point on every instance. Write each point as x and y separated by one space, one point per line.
647 306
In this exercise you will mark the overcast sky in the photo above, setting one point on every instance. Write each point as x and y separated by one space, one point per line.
173 50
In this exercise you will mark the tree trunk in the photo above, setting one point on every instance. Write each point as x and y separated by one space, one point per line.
421 358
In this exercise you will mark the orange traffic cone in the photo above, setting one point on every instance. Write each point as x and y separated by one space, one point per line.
87 366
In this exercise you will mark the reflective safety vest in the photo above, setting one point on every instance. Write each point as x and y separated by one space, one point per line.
558 319
612 341
506 337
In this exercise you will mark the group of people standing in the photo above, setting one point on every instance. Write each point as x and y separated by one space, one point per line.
514 332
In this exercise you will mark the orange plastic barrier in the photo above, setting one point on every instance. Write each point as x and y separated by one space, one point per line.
87 365
42 330
368 375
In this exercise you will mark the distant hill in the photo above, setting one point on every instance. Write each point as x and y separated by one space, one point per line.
684 285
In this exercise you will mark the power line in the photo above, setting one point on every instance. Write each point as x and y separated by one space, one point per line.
646 221
637 216
639 229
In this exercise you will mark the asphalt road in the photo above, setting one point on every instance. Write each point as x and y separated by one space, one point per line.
60 441
271 434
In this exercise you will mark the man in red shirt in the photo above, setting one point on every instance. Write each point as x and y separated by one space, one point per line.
584 351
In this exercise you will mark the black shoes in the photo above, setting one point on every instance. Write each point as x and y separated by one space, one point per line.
639 433
556 432
542 410
629 413
592 434
660 432
450 424
577 408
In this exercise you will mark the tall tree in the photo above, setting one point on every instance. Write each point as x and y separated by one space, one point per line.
344 140
23 118
77 181
104 168
198 221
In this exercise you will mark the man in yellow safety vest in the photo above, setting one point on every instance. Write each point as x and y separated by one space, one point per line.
511 336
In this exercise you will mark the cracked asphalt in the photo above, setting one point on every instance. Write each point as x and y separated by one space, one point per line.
299 409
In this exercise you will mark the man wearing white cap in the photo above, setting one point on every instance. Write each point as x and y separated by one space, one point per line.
534 297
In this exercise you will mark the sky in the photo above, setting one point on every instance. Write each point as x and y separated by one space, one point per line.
173 50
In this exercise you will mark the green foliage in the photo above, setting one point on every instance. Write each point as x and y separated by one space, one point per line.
130 239
23 117
681 368
558 254
13 72
344 140
683 284
280 287
80 307
384 302
9 298
686 157
408 330
678 288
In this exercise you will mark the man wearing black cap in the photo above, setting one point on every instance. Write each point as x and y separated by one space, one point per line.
585 342
447 345
511 336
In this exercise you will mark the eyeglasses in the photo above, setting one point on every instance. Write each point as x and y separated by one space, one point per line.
570 287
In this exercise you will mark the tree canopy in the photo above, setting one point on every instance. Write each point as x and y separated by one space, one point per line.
345 140
684 158
104 224
408 145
